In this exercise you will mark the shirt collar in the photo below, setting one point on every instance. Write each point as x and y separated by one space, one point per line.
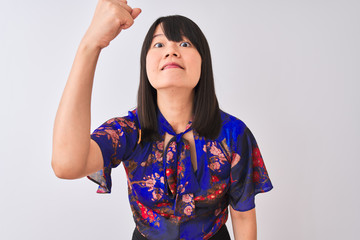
164 126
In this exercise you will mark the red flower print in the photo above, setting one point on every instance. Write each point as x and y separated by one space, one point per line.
199 198
165 215
187 146
256 177
151 215
218 192
169 171
140 204
162 204
212 196
144 215
214 178
257 159
256 152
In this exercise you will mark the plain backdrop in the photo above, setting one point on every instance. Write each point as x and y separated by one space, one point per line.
288 69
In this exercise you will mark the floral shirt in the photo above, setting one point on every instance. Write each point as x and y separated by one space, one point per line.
168 199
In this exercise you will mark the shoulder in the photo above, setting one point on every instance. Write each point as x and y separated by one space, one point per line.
128 123
232 131
231 123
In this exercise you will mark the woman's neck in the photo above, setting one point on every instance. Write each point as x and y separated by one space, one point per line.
177 107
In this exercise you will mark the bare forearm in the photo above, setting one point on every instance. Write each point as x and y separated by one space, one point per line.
72 123
244 224
71 140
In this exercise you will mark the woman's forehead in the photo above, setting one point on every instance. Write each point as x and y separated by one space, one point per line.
159 32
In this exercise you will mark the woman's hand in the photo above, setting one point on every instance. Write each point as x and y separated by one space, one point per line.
110 17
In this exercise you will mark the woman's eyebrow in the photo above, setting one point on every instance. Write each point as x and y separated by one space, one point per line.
157 35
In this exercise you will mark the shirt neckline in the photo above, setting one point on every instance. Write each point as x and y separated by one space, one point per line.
164 126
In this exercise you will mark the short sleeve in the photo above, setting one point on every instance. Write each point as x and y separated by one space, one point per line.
248 173
116 138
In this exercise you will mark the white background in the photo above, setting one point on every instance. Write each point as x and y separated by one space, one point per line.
288 69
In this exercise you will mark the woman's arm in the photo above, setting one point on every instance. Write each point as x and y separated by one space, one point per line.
244 224
72 146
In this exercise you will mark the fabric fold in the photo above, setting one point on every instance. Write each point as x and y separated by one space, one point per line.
177 161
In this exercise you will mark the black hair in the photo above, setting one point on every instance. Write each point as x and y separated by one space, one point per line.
207 119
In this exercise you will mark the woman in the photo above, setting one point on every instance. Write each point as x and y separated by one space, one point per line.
186 160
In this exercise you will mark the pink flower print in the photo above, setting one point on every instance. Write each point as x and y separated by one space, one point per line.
215 151
121 132
186 198
122 123
204 148
181 188
162 180
150 183
188 210
160 145
235 160
169 156
158 154
131 124
156 196
172 146
114 135
101 190
215 166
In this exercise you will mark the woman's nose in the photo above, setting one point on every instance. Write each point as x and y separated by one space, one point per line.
172 51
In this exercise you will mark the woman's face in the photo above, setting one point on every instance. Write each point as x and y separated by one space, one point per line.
172 64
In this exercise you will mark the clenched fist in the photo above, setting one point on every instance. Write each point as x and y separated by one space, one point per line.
110 17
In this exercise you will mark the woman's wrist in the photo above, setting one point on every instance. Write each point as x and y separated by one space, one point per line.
89 45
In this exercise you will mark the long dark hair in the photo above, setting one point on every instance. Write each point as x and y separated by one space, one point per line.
207 120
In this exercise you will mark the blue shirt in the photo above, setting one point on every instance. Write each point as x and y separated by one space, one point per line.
168 199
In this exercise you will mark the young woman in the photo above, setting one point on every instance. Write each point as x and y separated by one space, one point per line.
186 160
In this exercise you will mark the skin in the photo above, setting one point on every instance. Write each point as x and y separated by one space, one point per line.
74 154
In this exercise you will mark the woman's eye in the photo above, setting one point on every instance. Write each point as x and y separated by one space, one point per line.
157 45
185 44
